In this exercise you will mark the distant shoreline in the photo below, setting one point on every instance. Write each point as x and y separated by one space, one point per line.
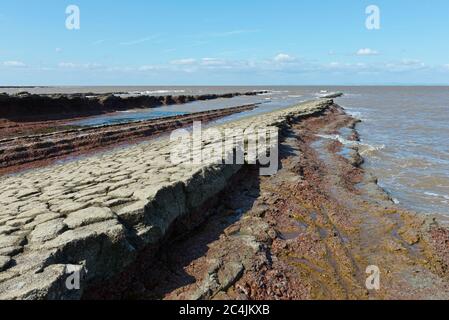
216 85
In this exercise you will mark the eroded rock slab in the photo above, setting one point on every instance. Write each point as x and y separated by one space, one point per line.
95 214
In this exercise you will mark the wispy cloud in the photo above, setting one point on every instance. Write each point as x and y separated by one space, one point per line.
72 65
149 68
212 62
367 52
139 41
183 62
231 33
14 64
281 64
223 34
287 64
98 42
406 65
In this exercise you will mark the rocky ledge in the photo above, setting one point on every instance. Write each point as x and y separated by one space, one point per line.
93 216
315 230
25 107
44 147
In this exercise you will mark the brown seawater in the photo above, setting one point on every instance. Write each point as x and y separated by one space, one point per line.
408 128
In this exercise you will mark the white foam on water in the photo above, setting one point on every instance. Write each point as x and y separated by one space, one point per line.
149 93
324 94
160 92
364 148
352 94
436 195
278 91
356 113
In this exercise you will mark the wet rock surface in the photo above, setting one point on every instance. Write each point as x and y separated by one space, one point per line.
25 107
44 147
308 232
96 215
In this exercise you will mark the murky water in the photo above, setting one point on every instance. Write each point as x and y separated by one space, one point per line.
405 130
265 102
125 117
408 130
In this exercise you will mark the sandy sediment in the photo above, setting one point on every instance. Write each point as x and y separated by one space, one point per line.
96 215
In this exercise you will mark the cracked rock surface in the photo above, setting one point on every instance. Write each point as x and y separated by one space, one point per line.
96 214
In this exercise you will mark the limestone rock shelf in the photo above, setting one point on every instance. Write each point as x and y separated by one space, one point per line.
96 214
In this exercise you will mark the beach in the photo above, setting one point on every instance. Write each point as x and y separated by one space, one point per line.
136 226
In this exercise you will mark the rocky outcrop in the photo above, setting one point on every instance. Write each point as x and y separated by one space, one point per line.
88 219
21 150
26 107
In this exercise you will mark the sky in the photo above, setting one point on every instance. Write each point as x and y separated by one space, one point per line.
227 42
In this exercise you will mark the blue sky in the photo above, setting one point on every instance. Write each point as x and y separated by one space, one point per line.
205 42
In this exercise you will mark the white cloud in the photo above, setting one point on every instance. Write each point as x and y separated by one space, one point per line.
283 57
120 69
212 62
14 64
184 62
334 64
412 62
367 52
71 65
282 64
67 65
148 68
406 65
345 67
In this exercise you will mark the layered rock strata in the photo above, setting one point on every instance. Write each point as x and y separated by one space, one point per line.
31 107
92 217
21 150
